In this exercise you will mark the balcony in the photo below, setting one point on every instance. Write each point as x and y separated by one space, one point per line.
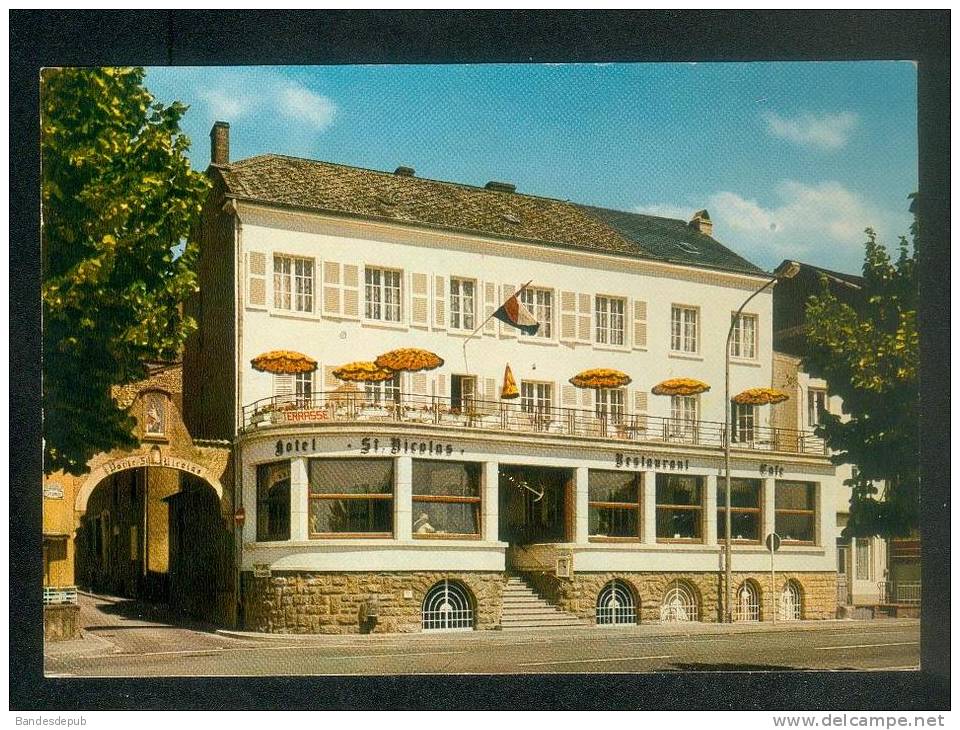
501 416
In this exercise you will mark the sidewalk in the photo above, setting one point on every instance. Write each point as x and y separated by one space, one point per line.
584 632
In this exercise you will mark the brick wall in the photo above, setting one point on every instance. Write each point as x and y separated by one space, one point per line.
330 603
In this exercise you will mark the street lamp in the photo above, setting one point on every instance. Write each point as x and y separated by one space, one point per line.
787 270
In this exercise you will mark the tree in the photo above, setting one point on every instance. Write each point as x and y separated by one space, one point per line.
869 355
117 195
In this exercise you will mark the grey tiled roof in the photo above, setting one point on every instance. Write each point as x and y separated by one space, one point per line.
344 190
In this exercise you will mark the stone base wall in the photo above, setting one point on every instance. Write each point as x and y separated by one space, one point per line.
333 603
61 622
578 594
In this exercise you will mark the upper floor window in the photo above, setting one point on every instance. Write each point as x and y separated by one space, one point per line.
293 283
683 328
382 294
462 304
384 391
816 405
535 396
540 304
743 338
610 320
610 403
304 386
744 418
683 415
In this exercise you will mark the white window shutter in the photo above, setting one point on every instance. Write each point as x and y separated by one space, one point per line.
419 383
490 392
507 330
584 318
283 384
351 291
330 382
639 324
331 289
440 385
256 279
640 411
419 300
569 396
490 305
568 316
439 303
586 398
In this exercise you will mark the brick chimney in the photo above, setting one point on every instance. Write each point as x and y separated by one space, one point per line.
701 222
220 144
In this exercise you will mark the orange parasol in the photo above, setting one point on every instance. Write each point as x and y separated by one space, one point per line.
362 372
680 386
284 362
601 379
760 397
509 390
410 359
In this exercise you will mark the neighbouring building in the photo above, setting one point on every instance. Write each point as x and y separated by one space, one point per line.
874 574
428 501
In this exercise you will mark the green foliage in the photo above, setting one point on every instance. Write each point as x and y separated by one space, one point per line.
870 357
117 195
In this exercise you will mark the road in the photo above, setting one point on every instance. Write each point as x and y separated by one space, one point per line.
127 639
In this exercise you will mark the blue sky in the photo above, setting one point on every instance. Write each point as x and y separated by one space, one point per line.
793 160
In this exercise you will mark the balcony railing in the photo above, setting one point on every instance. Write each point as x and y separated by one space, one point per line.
900 593
500 416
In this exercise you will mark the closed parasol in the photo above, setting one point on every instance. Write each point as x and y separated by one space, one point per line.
509 390
362 372
284 362
409 359
760 397
601 379
680 386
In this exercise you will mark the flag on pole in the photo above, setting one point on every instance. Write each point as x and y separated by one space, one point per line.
513 313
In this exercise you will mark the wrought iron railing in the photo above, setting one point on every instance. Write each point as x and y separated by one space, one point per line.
514 416
59 594
901 593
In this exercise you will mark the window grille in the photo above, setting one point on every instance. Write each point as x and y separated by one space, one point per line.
447 607
790 602
615 604
679 604
747 607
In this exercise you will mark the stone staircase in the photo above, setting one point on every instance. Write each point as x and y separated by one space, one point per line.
524 609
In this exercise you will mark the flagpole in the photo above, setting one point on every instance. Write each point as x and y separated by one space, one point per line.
483 324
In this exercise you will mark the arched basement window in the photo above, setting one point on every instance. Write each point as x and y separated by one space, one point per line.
615 604
747 607
447 607
791 602
679 604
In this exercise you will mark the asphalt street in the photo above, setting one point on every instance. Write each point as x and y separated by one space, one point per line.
130 639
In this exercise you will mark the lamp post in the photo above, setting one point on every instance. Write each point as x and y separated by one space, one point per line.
786 270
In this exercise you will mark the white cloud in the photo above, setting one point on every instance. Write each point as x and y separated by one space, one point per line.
820 224
819 131
300 104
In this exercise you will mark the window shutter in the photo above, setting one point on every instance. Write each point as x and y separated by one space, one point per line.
507 330
569 396
640 412
351 291
490 393
329 381
490 305
282 384
568 316
439 303
419 300
584 317
419 384
331 289
440 385
639 324
586 398
257 279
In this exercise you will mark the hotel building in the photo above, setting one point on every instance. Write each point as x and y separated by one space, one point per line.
427 501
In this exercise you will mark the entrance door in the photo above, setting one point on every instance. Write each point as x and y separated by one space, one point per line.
844 594
535 504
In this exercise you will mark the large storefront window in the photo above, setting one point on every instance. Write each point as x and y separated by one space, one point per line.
351 497
744 509
273 501
446 499
614 504
796 511
679 508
